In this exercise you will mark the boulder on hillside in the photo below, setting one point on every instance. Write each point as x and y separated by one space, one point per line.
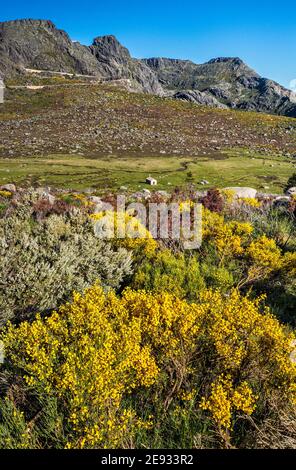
291 191
242 192
198 97
282 202
8 187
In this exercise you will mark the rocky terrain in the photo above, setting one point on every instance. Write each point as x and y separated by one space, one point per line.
227 80
100 120
38 44
221 82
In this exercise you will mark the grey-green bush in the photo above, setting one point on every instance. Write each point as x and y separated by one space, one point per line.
41 263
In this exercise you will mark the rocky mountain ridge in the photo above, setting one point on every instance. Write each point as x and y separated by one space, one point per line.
222 82
227 79
38 44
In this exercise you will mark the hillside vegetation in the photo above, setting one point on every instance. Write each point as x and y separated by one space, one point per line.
166 347
66 134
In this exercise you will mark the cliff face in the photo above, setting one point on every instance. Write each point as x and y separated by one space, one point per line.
38 44
221 82
114 62
229 80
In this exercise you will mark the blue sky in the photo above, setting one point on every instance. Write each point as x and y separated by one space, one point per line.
262 33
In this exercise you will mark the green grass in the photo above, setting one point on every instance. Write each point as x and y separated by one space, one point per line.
230 168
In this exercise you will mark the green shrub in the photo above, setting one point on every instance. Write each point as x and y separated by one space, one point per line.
44 423
178 274
217 277
41 263
291 182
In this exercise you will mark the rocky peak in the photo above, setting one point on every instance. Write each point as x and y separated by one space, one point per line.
231 60
29 26
158 62
106 48
28 22
109 41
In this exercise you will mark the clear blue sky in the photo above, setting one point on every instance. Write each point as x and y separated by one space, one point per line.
262 33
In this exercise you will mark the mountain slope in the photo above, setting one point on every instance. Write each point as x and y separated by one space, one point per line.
221 82
115 62
38 44
227 79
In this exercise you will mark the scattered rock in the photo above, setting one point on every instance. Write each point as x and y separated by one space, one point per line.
50 198
199 97
146 192
291 191
161 193
95 199
8 187
281 202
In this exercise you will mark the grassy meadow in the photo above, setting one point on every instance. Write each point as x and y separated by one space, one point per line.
235 167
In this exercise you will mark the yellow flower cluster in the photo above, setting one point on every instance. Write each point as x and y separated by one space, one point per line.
264 257
5 194
94 352
228 195
249 201
186 205
128 231
89 354
229 237
224 398
233 239
264 252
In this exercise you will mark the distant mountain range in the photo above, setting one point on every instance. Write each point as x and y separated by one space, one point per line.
222 82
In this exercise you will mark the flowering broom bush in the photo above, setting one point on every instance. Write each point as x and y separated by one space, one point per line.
125 230
89 358
226 355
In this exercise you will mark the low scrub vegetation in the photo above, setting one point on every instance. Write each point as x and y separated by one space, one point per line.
136 342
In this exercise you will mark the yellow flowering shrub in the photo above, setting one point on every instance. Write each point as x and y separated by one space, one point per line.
225 354
224 398
228 195
169 323
251 344
5 194
228 237
250 201
89 356
264 257
127 231
233 241
233 333
186 205
264 252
